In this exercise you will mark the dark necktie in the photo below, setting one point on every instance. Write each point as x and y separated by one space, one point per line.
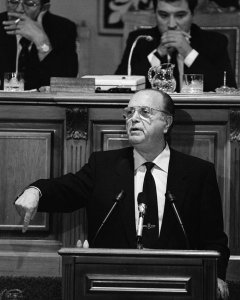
23 55
163 59
151 226
175 70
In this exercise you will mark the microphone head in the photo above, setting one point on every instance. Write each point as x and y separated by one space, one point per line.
149 38
142 208
141 198
170 196
120 196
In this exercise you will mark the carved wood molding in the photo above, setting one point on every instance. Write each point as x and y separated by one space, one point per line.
77 123
235 126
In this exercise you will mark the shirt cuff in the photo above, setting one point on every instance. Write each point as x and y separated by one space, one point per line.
34 187
190 58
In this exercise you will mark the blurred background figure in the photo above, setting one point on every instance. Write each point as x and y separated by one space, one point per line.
177 40
37 43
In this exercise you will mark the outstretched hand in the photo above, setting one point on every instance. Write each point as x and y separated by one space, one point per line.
26 205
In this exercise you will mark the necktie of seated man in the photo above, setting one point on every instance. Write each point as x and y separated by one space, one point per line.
175 70
23 55
151 225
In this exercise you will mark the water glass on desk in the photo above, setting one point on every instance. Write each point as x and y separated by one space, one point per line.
13 82
192 84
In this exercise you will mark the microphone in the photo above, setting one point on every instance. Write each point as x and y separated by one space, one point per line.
148 38
171 199
119 197
142 210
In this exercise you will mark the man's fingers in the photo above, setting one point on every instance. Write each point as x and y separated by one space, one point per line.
222 289
34 213
26 220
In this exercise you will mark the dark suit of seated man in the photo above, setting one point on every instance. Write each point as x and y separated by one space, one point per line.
49 42
191 180
178 40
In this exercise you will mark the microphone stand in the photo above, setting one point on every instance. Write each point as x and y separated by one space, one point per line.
147 38
120 196
171 198
142 210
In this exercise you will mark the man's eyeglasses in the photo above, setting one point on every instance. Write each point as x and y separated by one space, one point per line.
144 111
29 3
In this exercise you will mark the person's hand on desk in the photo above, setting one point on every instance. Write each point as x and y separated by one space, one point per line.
222 290
176 40
27 204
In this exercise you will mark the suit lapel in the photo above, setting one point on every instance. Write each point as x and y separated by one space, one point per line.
125 173
176 184
177 176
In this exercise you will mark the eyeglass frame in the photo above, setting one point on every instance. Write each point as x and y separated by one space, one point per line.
34 4
138 108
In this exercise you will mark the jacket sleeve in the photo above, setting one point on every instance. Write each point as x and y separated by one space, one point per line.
68 192
212 236
62 61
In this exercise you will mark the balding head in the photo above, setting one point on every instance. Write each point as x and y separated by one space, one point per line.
157 98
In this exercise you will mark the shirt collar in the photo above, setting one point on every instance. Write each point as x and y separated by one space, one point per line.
161 161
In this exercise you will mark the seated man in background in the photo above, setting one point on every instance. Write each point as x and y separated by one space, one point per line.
36 42
177 40
151 168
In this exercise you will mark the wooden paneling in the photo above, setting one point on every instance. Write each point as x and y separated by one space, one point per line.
25 157
31 147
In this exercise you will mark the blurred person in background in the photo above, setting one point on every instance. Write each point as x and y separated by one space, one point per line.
177 40
37 43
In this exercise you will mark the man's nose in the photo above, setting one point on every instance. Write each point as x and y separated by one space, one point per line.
136 116
19 7
172 24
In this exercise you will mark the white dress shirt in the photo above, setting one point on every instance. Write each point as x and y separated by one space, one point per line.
159 172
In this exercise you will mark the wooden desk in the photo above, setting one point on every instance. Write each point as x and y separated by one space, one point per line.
46 135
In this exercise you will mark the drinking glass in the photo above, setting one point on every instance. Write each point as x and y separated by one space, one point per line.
192 84
13 82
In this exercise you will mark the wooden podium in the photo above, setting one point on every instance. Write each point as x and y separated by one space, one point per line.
138 274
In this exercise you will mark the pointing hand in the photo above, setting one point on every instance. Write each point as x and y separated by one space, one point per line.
26 205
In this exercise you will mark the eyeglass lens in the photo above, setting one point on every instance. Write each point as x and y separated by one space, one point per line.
25 2
144 111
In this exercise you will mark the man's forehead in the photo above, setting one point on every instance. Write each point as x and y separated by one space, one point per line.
150 98
178 4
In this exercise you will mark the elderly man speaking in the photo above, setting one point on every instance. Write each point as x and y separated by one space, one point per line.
149 167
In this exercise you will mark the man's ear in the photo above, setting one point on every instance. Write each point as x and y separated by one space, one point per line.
169 121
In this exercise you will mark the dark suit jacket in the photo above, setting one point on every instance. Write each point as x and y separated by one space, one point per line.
191 180
61 62
212 61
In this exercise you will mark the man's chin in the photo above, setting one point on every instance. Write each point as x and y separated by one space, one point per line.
135 140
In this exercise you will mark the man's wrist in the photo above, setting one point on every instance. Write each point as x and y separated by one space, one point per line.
43 44
37 189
